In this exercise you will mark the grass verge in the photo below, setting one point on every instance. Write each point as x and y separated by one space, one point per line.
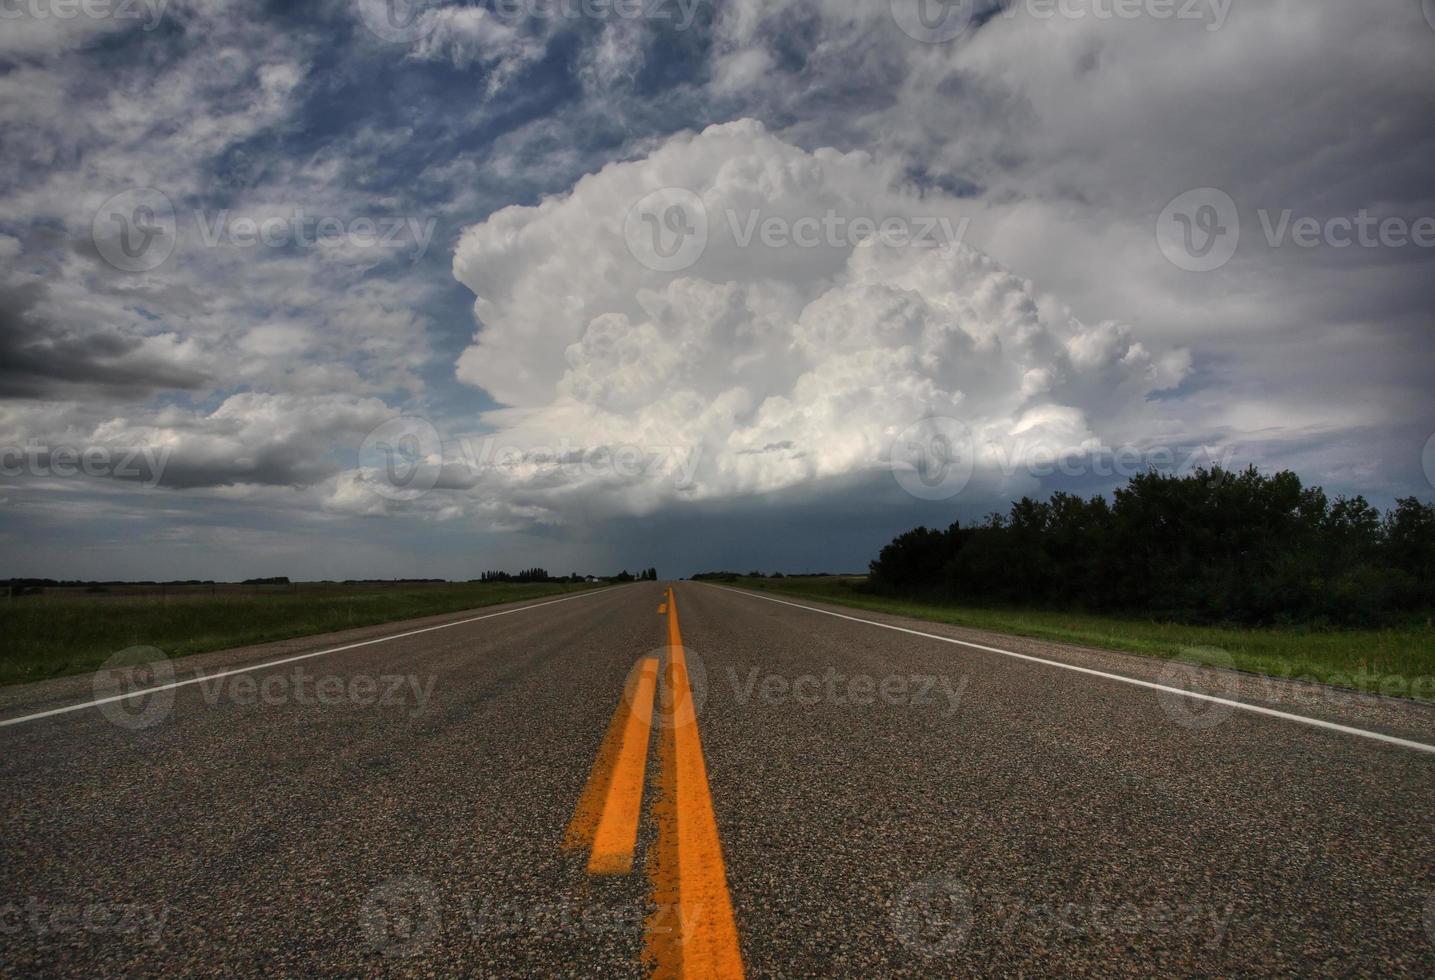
1398 662
42 637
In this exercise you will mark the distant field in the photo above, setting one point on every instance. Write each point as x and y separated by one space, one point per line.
45 636
1392 661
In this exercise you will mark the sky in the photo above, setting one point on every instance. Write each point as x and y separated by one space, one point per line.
368 288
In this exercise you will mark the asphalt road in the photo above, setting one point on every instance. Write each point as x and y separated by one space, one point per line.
886 803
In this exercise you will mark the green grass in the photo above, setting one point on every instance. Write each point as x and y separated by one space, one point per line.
44 637
1398 661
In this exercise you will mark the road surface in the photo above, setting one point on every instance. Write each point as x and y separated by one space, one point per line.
596 786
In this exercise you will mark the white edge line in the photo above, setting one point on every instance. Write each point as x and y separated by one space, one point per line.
200 677
1242 705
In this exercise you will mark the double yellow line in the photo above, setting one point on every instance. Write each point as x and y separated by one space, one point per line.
692 931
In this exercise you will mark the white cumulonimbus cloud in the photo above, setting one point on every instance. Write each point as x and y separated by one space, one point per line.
792 349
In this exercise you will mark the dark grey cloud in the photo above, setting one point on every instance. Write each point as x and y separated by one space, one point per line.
41 358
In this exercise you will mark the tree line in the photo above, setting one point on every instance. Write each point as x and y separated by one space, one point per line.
541 575
1208 547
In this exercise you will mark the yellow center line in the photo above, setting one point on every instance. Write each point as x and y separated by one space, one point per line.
617 831
693 931
593 801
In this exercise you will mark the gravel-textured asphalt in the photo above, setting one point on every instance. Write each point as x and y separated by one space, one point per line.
968 814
